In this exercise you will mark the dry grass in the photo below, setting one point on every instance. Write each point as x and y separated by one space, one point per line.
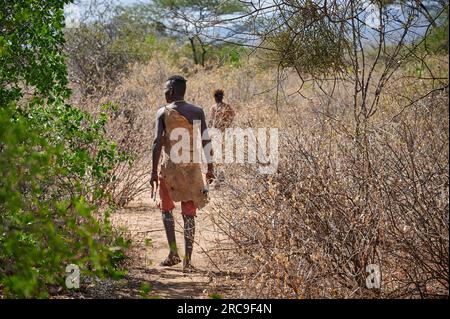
336 206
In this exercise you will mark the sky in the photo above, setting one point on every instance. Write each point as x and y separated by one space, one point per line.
74 11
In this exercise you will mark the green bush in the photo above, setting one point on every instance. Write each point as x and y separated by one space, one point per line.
54 161
227 54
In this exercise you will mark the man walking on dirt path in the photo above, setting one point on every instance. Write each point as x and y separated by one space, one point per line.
179 182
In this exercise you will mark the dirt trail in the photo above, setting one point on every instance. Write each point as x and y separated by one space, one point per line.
143 221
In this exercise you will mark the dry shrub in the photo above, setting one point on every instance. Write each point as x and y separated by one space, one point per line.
336 206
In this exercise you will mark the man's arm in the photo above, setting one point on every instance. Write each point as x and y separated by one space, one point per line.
157 142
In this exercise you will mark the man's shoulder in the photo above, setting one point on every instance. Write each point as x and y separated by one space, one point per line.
195 108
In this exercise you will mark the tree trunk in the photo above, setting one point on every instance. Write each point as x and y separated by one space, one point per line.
194 50
202 45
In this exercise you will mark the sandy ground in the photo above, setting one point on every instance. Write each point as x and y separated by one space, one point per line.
141 220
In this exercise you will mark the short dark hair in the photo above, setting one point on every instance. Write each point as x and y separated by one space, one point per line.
178 83
218 92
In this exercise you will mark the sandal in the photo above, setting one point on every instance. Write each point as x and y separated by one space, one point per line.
170 261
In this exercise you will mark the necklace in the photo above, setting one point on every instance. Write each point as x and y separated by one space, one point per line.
178 101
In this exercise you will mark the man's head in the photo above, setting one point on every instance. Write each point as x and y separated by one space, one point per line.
175 88
218 95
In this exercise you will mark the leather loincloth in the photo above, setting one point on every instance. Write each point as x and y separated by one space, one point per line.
184 181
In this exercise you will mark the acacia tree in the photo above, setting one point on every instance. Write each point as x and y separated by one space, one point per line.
192 20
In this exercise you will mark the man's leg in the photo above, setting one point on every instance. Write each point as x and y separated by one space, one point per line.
166 207
169 226
188 210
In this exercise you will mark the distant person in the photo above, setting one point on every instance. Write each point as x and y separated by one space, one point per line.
179 182
222 117
222 114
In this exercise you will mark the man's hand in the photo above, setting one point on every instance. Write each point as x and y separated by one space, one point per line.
154 182
210 176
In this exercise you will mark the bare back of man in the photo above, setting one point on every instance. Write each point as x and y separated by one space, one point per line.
189 111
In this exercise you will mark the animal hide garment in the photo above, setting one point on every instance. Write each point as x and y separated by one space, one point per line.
184 181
